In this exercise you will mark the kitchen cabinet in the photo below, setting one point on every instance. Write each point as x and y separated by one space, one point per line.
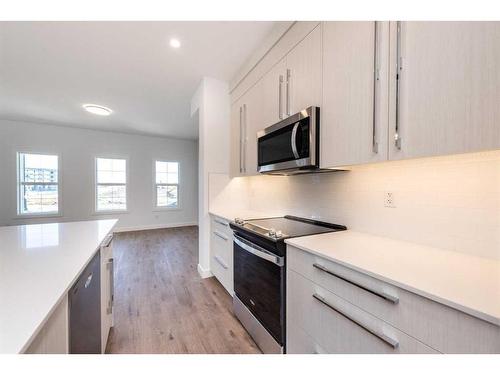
272 87
446 98
303 74
354 118
345 311
246 120
107 292
221 252
53 336
293 84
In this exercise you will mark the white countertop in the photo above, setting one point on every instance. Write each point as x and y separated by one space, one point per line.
467 283
38 264
233 213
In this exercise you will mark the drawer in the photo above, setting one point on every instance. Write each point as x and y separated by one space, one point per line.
222 246
439 326
337 326
299 342
223 272
221 225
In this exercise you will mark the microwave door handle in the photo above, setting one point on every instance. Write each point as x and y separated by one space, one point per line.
294 140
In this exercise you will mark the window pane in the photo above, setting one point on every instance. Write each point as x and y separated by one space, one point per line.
38 168
167 172
166 196
38 199
111 197
111 171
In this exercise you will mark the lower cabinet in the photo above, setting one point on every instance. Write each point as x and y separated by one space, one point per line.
334 309
340 327
107 284
221 252
53 337
57 334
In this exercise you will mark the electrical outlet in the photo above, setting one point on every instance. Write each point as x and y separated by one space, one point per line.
389 200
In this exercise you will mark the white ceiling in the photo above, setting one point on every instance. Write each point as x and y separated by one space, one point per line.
49 69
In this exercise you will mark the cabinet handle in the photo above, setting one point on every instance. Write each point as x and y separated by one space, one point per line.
221 262
221 222
399 68
245 138
241 139
376 78
111 267
385 296
393 343
220 235
107 240
88 281
280 97
288 78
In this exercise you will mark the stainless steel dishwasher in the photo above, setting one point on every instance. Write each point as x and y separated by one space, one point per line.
85 310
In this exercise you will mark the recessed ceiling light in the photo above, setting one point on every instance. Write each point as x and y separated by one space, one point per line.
97 109
175 43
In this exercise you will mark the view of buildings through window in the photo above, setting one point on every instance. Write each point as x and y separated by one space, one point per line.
38 184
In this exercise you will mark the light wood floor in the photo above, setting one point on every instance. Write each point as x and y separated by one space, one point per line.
162 305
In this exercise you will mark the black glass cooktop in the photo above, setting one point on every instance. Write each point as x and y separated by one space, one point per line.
286 227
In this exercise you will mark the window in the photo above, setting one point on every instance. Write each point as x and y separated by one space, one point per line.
38 184
167 184
111 184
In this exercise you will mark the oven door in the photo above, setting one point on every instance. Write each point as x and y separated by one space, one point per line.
291 143
259 283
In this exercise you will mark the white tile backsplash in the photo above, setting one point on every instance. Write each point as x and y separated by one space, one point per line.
448 202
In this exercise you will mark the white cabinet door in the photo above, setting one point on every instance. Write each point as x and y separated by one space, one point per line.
303 74
107 292
53 338
272 91
235 162
449 88
246 119
252 122
354 118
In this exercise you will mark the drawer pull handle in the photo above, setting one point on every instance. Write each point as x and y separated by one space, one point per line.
386 296
221 262
388 340
220 235
221 222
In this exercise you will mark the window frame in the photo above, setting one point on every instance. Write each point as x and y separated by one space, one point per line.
155 190
126 184
33 215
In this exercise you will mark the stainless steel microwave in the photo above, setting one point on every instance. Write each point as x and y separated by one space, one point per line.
291 146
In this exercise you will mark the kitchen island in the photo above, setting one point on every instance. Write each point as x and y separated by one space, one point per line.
39 263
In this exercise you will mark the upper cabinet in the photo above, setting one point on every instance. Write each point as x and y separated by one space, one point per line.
272 87
292 84
445 88
303 74
354 118
386 90
246 117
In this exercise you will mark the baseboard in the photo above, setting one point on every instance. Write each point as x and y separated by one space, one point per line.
155 226
204 273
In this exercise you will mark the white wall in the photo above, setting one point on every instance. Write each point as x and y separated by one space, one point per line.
450 202
211 104
77 149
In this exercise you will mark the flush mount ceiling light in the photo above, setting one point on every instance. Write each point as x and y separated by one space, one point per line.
97 109
175 43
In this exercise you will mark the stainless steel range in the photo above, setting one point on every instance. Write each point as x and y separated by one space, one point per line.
259 274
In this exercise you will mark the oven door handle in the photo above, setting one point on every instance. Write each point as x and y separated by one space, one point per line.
294 140
258 251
